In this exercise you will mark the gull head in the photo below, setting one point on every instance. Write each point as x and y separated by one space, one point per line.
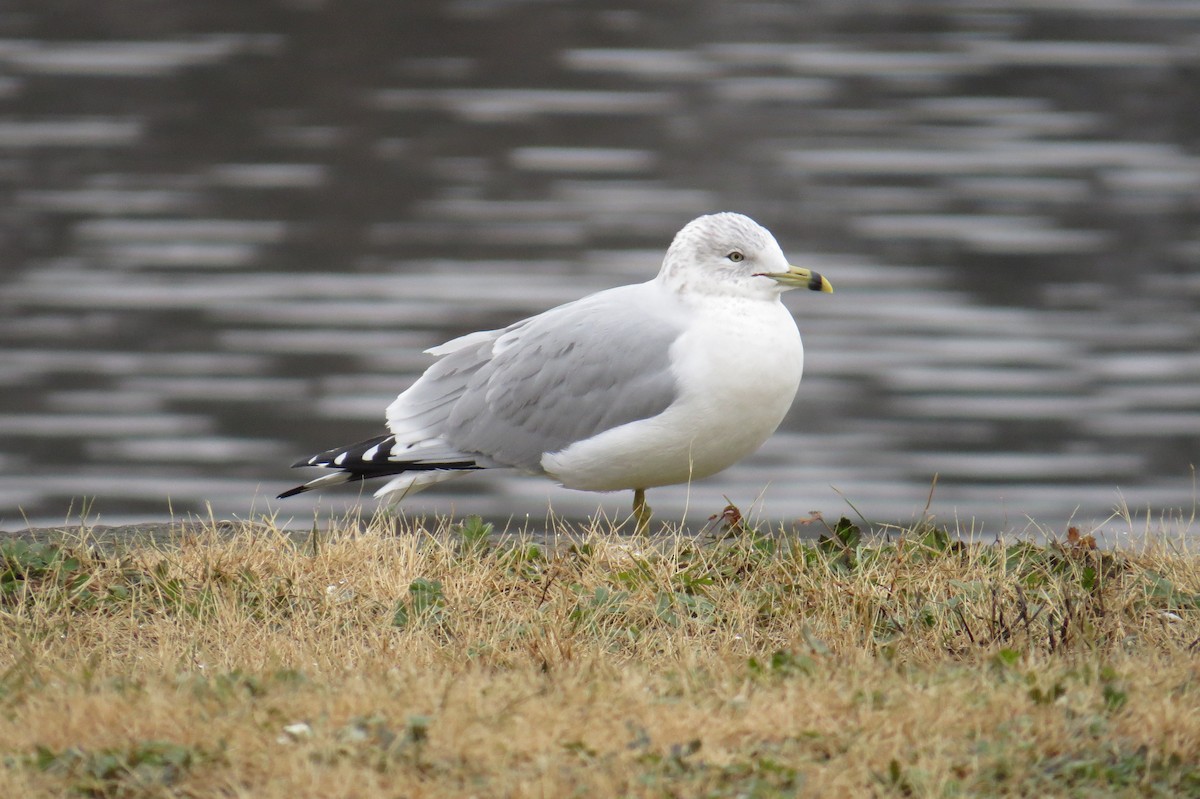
731 254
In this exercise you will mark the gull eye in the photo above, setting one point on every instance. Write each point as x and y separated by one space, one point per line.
736 257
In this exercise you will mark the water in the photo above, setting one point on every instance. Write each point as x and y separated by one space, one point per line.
229 229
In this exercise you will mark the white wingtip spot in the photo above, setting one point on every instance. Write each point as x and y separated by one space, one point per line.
340 459
369 454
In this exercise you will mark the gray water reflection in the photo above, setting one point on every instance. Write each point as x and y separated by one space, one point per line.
228 231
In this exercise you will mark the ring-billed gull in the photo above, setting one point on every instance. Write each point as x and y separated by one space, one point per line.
635 387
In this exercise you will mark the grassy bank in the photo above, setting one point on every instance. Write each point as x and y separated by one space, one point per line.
412 663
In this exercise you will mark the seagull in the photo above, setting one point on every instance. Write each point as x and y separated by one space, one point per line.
635 387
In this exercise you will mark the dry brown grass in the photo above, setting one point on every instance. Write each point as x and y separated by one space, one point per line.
442 664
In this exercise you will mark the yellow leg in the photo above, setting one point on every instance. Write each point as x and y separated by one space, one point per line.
641 511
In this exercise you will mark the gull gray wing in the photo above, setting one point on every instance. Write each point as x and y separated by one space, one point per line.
564 376
419 414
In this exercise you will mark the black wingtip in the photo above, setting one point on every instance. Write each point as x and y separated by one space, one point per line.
349 465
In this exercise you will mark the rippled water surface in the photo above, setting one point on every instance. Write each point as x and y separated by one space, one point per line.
228 229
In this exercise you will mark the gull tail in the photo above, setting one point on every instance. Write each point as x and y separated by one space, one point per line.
375 458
